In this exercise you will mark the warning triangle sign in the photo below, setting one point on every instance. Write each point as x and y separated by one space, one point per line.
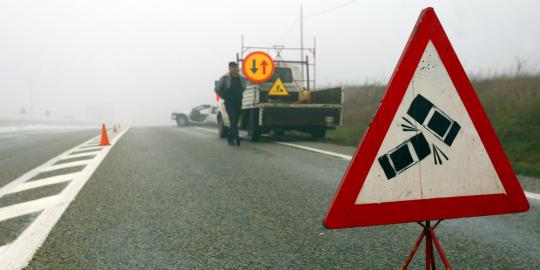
278 89
430 152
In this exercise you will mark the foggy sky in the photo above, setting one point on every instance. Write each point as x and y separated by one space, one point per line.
137 61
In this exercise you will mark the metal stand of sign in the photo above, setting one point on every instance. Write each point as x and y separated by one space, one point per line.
428 232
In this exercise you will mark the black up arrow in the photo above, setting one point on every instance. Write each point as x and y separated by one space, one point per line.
254 66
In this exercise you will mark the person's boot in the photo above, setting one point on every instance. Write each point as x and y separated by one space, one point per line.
230 141
237 141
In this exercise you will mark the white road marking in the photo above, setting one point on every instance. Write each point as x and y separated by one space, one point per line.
316 150
25 208
82 148
531 195
89 146
83 155
528 194
66 165
79 151
17 254
207 129
42 182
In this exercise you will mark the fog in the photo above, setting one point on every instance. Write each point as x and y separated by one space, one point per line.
136 61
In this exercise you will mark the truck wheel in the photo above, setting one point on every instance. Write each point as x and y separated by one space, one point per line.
223 130
253 129
318 133
181 121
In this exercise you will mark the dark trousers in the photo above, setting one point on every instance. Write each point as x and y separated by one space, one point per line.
233 110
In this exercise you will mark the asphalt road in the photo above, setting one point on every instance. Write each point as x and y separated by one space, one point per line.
180 198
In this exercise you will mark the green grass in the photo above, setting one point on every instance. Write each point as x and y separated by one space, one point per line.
512 104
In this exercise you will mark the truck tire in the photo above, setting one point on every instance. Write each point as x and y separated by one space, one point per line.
318 133
223 131
181 120
253 129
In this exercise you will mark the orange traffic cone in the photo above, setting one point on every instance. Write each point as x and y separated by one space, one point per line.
104 137
114 129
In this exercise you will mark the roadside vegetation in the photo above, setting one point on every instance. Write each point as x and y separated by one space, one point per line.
511 102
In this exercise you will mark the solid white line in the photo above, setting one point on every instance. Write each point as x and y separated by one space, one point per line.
3 248
21 251
316 150
42 182
66 165
207 129
529 195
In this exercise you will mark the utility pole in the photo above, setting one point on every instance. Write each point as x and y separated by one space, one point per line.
302 40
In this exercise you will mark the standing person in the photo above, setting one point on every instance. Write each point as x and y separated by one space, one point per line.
231 87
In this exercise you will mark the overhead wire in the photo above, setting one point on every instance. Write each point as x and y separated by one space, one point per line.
284 35
330 9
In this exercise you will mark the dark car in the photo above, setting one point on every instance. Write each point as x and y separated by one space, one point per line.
434 120
404 156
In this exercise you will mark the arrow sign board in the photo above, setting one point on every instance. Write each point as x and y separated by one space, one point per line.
258 66
278 89
430 152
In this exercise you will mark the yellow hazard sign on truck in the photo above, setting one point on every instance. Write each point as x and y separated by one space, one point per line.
278 89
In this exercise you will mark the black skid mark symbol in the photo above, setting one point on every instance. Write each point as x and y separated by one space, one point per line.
409 126
437 153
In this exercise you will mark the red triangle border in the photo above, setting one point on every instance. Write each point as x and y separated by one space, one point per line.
344 213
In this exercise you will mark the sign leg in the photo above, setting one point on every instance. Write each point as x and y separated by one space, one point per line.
414 249
429 248
439 249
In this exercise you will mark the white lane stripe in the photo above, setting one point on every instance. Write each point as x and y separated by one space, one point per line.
207 129
3 247
42 182
25 177
531 195
83 155
316 150
20 252
25 208
528 194
86 152
66 165
90 148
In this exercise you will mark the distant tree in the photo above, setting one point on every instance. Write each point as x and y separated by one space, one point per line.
22 111
47 113
519 65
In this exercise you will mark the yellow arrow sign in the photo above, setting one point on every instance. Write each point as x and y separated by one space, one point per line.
278 89
258 67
